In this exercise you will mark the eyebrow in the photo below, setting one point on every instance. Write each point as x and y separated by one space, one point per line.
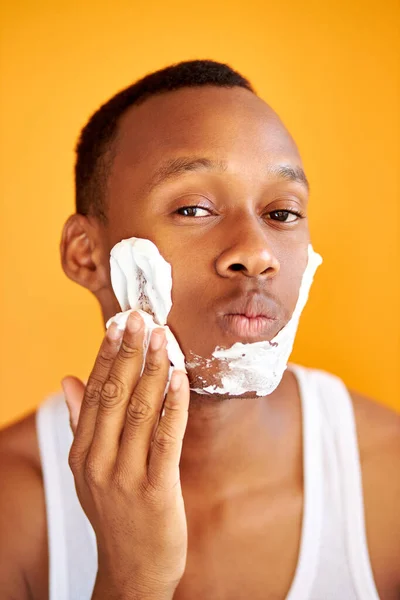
289 173
173 168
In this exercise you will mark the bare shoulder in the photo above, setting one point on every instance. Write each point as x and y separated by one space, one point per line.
378 430
23 533
377 424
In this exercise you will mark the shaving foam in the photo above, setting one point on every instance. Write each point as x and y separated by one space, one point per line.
257 367
142 281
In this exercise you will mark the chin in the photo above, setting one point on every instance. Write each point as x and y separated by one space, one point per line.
208 398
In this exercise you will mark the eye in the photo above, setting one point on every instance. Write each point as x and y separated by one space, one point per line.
283 216
193 211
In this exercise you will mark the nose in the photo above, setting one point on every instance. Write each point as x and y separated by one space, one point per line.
250 255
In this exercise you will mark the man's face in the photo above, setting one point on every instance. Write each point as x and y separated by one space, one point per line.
236 258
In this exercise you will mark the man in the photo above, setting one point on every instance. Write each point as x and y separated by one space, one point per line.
265 498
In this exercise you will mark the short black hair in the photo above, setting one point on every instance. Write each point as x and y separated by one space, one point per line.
94 154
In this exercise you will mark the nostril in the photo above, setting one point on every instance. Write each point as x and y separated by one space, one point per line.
237 267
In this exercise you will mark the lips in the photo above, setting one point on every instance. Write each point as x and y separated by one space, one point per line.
244 327
250 316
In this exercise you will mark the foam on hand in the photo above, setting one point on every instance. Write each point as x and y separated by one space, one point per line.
142 282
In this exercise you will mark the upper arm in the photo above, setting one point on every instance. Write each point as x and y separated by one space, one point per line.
23 536
378 431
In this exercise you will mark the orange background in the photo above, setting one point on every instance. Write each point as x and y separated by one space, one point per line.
331 72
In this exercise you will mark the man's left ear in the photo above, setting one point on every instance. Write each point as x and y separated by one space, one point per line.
84 256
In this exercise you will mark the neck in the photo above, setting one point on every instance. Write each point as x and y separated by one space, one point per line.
234 444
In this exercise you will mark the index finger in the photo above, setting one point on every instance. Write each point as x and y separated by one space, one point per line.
90 405
166 450
144 406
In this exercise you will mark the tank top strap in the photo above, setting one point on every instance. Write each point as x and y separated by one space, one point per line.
337 408
307 563
71 539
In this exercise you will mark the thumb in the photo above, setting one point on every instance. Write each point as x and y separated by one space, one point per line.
74 390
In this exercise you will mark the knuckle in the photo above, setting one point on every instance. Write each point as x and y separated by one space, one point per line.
164 440
128 352
93 473
106 358
111 392
152 367
92 392
138 410
76 459
108 350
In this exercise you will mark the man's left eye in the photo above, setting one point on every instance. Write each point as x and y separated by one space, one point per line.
193 211
283 216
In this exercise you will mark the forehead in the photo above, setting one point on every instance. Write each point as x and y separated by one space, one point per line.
228 124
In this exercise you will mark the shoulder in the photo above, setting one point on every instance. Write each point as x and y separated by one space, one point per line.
378 431
23 531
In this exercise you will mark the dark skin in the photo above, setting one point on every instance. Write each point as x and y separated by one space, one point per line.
241 462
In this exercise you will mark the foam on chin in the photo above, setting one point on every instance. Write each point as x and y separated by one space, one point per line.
142 281
257 367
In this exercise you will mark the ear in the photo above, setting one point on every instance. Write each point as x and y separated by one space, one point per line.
84 256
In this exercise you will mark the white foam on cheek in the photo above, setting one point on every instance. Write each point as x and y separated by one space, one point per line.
142 281
259 367
141 278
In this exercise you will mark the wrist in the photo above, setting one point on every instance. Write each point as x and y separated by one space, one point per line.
106 588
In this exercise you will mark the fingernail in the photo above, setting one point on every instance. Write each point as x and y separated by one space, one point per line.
176 381
156 340
114 332
134 323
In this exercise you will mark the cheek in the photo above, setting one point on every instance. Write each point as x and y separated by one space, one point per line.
190 292
292 271
192 296
192 277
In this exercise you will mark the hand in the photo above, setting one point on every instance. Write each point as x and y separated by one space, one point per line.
125 461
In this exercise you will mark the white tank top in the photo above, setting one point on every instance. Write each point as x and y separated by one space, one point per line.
333 562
